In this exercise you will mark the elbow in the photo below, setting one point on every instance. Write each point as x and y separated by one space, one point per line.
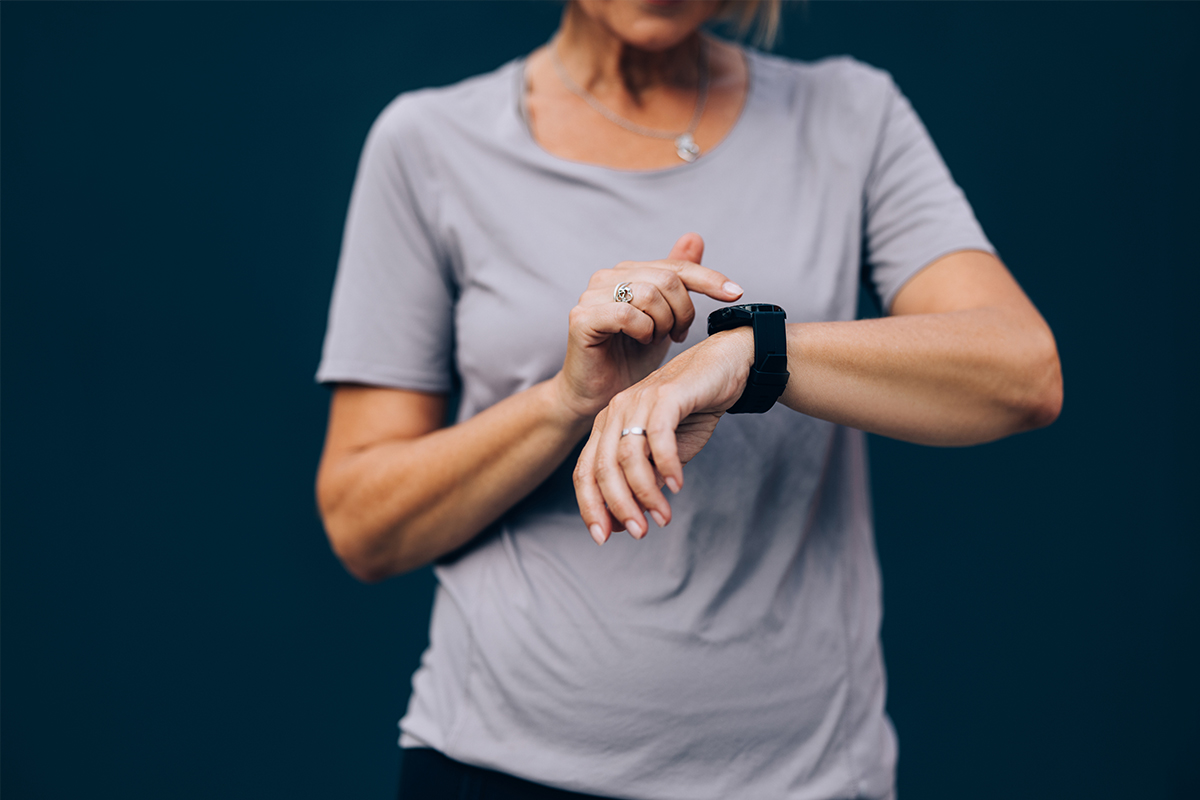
1043 396
1047 407
351 541
358 560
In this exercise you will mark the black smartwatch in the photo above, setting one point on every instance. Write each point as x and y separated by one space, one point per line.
768 374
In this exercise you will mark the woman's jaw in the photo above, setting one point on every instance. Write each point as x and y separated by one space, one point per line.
652 26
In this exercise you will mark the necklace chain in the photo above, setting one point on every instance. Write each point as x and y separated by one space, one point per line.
685 143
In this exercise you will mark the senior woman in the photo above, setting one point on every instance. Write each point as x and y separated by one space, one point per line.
735 653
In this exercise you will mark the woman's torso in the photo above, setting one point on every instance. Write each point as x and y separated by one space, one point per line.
735 653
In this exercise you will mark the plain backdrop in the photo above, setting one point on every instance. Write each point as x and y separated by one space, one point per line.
173 183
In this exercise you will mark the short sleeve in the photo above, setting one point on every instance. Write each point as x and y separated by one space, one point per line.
914 211
391 320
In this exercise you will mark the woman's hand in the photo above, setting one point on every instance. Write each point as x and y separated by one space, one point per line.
964 358
397 490
613 345
619 478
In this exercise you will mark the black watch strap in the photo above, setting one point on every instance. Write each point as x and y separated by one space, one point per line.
768 374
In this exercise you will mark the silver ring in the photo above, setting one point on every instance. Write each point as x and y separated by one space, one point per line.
634 432
623 293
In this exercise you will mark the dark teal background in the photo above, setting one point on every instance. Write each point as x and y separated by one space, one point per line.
173 183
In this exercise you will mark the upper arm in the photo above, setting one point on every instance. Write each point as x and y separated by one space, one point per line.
361 417
961 281
391 318
917 221
971 280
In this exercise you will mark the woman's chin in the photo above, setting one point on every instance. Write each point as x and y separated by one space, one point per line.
651 25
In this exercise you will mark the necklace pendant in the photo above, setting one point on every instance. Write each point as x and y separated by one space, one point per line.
686 147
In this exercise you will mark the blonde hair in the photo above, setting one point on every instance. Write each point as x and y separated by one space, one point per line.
760 15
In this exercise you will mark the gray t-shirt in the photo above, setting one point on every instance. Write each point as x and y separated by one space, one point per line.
734 654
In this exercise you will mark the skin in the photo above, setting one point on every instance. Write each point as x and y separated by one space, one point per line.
965 357
641 62
396 490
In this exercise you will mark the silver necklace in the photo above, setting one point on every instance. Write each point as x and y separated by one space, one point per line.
685 143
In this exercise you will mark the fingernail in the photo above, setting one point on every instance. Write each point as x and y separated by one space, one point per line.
658 518
673 485
635 528
597 533
732 287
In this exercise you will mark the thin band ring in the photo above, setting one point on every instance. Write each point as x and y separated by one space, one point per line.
634 432
623 293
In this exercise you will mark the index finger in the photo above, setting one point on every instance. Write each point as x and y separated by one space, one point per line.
705 281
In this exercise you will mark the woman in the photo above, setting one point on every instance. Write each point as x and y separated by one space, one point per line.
735 653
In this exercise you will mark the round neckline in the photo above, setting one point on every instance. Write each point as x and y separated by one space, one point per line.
730 136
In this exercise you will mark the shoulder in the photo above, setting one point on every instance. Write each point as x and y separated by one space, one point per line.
435 112
837 106
840 86
420 132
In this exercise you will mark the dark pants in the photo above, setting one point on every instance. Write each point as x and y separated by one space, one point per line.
426 774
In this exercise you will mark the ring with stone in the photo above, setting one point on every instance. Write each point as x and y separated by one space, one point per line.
634 432
623 293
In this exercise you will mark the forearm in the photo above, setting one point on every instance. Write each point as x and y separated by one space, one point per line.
965 358
396 505
954 378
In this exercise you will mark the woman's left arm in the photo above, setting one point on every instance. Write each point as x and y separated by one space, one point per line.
964 358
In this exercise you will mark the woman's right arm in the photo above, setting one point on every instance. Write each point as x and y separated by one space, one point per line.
396 490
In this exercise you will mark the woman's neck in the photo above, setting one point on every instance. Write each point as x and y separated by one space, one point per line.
604 64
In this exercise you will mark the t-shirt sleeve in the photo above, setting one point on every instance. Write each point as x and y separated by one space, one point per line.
914 211
391 318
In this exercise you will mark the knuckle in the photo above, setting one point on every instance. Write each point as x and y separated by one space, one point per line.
660 301
659 428
600 279
659 276
632 465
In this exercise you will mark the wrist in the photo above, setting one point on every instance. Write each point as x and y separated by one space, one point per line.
737 344
564 409
736 347
767 374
